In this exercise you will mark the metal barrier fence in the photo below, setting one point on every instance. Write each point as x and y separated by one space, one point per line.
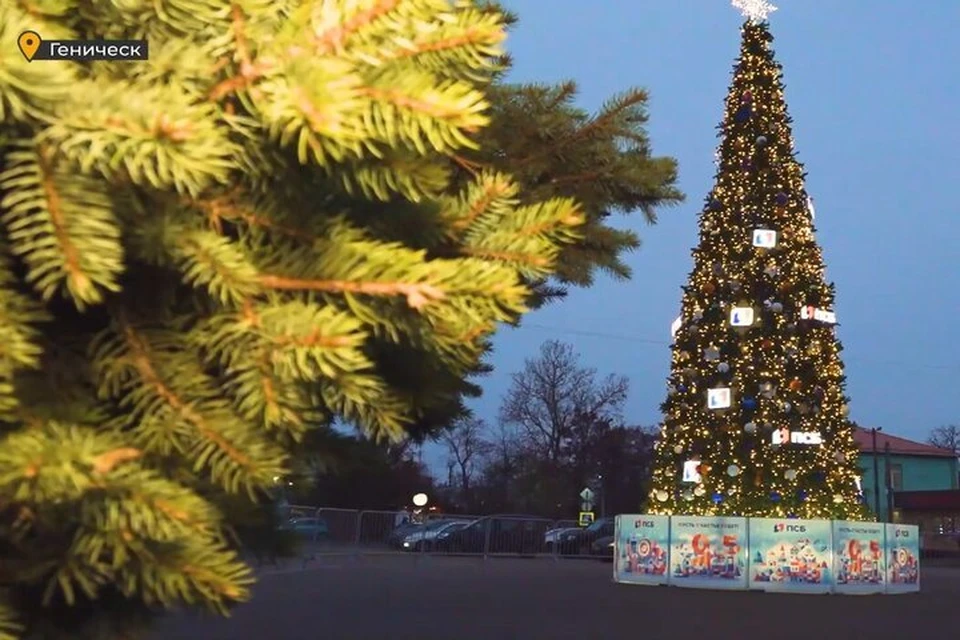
328 531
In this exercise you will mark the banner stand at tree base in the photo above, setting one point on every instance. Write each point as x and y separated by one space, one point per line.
776 555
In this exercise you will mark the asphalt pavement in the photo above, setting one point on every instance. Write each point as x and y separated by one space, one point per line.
439 598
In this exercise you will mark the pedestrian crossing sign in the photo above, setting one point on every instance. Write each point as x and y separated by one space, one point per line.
586 518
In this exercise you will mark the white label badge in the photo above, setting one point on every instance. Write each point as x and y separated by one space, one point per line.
741 317
820 315
764 238
690 473
718 398
676 326
784 436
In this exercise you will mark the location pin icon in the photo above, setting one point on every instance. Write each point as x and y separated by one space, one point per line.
29 42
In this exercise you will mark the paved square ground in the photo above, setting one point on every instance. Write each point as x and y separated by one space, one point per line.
406 598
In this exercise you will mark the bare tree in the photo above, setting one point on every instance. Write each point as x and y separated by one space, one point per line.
466 443
557 404
946 437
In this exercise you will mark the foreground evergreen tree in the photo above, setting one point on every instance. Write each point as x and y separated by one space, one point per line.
604 160
201 268
553 148
756 421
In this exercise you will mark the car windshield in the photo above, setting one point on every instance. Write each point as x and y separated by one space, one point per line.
597 526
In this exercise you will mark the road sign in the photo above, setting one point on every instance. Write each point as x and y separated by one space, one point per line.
586 495
586 518
586 506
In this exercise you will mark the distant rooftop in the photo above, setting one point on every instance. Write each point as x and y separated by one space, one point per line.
900 446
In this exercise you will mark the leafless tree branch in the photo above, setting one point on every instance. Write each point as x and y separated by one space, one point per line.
946 437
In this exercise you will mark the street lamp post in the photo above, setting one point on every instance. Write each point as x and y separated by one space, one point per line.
888 481
876 470
603 496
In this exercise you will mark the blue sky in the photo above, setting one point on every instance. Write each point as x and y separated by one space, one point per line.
872 88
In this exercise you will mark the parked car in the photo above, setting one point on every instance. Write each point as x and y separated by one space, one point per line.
602 548
423 539
579 541
497 534
400 533
551 537
313 529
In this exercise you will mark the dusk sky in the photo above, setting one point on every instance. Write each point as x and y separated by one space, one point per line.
873 89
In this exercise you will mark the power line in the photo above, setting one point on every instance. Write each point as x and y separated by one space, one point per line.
661 343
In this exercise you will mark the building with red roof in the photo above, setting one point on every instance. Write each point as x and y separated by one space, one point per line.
913 482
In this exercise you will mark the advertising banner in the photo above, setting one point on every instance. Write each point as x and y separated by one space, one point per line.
708 553
903 558
791 555
858 557
641 548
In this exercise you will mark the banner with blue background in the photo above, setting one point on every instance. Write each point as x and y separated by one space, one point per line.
791 555
858 557
642 549
903 558
708 553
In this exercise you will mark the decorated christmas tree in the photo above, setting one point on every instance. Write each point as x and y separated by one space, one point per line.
209 256
756 420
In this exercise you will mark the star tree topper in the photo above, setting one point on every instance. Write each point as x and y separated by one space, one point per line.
755 11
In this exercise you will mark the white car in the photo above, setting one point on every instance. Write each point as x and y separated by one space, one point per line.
423 539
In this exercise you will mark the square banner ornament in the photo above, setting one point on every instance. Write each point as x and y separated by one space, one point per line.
795 556
903 558
641 549
708 552
858 557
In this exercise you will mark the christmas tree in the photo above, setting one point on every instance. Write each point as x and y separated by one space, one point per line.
755 423
208 257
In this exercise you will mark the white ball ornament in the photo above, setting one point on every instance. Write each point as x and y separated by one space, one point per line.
776 307
662 496
699 490
791 474
678 449
837 498
750 427
723 367
733 470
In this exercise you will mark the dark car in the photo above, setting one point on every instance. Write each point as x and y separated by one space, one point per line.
497 534
399 534
602 548
423 539
579 541
314 529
